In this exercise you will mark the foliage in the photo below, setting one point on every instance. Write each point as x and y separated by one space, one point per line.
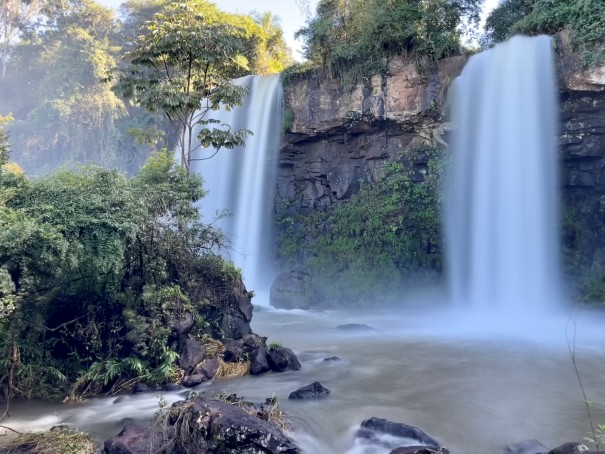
585 19
61 111
355 38
97 271
375 239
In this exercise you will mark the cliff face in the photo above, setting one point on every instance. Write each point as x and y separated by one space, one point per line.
338 137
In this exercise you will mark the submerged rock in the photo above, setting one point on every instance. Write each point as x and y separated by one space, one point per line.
357 327
419 450
259 361
332 359
372 429
526 447
313 391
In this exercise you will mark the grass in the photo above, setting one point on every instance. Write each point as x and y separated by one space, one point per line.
62 441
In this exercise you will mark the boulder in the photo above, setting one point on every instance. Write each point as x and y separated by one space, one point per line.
332 359
141 388
356 327
207 425
371 429
208 367
259 361
569 448
237 350
132 439
293 290
419 450
193 380
526 447
313 391
192 353
282 359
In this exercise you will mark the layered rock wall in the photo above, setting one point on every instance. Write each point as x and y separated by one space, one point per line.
338 137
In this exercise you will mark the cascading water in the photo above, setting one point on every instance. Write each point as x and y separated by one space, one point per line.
242 180
501 208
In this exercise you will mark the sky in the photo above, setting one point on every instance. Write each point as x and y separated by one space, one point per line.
292 14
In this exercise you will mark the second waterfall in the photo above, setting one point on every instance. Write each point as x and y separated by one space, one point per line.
242 180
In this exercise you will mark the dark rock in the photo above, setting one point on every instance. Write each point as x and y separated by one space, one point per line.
230 317
170 387
192 353
332 359
208 367
216 426
358 327
313 391
419 450
282 359
183 325
293 290
133 439
237 350
142 388
525 447
259 361
569 448
371 429
193 380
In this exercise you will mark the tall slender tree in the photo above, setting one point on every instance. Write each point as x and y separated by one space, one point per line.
182 65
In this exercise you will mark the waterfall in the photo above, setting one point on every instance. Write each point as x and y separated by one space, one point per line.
242 180
501 208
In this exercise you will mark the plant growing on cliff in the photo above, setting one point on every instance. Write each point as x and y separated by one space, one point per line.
376 239
183 65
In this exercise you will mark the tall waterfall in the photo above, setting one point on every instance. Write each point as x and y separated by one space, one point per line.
242 180
501 212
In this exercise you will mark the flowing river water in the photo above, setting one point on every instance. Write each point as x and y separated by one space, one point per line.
475 388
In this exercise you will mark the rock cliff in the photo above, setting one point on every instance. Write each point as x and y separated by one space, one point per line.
336 138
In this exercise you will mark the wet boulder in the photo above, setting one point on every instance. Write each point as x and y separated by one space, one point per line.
192 353
208 368
313 391
356 328
132 439
259 361
293 290
142 388
394 435
569 448
237 350
419 450
281 359
525 447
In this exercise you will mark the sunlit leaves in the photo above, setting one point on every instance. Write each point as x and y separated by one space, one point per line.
180 63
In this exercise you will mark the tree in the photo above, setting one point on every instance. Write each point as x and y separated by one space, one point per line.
14 14
182 65
62 111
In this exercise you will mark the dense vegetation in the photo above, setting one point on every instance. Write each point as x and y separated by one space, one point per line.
54 55
95 270
584 19
382 239
356 38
